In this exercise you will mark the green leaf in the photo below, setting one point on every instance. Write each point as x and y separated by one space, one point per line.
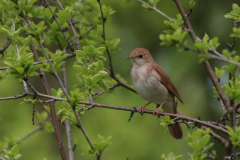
20 70
235 13
171 156
219 73
14 150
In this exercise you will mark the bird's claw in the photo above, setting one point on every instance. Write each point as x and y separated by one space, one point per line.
140 109
156 112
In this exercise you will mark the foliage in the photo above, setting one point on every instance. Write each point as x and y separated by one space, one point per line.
199 141
57 61
235 13
171 156
234 136
90 66
12 154
165 121
28 25
98 147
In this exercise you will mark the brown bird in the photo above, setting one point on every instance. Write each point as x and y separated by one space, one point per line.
153 84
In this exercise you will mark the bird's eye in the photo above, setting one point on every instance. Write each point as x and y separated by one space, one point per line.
141 56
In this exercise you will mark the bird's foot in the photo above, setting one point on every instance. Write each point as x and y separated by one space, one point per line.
141 109
156 112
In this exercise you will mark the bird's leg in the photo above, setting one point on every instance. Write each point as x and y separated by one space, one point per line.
157 111
141 109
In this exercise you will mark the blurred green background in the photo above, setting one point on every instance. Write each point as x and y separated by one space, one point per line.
142 138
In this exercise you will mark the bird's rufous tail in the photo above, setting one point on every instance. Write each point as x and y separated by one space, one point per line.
176 131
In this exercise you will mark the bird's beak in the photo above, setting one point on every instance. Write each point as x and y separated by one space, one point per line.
130 57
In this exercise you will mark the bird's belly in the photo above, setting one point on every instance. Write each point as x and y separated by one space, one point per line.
151 90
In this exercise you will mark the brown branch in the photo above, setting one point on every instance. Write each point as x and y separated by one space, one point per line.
177 116
122 83
51 104
5 46
231 110
189 13
16 97
216 136
228 146
183 117
63 88
209 155
206 63
104 38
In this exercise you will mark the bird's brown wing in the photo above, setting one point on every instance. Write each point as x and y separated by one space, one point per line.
165 80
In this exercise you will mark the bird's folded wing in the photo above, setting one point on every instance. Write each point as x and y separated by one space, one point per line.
165 80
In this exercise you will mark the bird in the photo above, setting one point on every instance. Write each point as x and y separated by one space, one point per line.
152 83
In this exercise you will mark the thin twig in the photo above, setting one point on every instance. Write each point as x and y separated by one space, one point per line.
231 109
16 97
77 21
73 29
55 18
210 156
18 52
39 127
92 27
154 8
122 83
184 28
104 38
110 88
5 46
66 122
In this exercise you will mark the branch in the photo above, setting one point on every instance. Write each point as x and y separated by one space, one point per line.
155 9
121 82
104 38
66 122
73 29
5 46
39 127
187 47
206 63
110 88
55 18
231 110
63 88
212 125
18 52
77 21
183 117
52 105
16 97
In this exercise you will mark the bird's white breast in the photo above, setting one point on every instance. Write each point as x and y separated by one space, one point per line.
150 88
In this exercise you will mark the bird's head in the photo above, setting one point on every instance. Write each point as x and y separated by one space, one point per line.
140 56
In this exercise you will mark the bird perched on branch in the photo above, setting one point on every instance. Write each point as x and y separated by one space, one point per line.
153 84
